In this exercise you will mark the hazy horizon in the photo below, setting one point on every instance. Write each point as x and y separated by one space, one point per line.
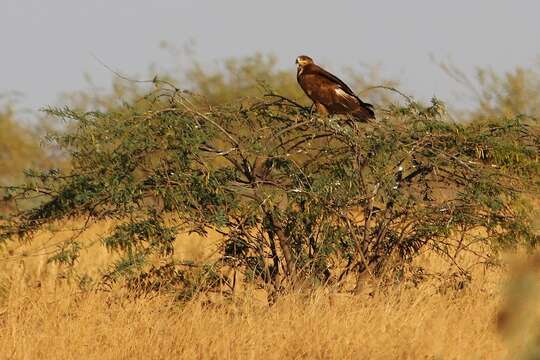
49 48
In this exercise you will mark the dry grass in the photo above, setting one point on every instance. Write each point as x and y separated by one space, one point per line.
41 317
403 323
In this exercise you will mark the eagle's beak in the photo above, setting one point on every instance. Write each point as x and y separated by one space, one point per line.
296 62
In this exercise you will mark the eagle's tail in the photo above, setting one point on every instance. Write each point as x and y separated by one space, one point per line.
364 112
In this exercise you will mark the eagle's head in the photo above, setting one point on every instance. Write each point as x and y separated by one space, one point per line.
303 60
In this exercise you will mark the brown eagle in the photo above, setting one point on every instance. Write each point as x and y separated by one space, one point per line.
329 94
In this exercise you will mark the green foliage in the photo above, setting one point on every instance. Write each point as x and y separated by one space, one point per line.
514 93
68 253
297 198
19 148
242 78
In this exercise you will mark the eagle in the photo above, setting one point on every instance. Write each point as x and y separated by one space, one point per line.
329 94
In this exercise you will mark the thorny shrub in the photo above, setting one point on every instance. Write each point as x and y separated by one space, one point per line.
298 199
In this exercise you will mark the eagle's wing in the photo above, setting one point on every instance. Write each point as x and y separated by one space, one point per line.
347 98
344 87
333 78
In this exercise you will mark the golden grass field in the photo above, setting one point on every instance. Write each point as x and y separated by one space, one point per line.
42 317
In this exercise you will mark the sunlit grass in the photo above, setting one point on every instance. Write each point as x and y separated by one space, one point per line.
44 316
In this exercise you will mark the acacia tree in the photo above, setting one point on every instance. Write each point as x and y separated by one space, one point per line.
298 199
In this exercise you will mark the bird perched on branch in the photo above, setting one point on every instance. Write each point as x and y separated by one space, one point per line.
329 94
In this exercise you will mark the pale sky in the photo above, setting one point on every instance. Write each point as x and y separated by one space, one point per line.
47 45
